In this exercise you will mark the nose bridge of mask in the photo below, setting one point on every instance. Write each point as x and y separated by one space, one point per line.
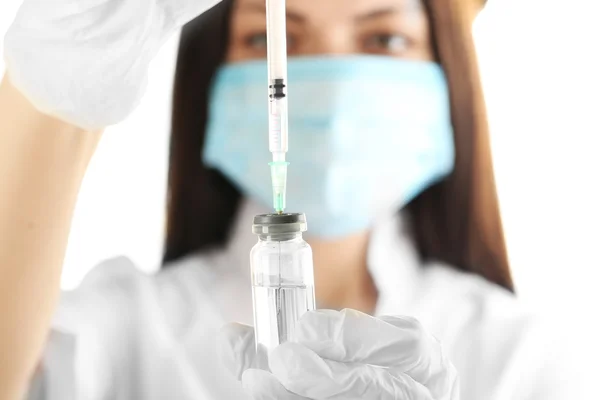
332 112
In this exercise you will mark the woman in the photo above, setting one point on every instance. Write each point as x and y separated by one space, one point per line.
441 260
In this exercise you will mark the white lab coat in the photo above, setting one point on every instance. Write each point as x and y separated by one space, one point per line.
125 335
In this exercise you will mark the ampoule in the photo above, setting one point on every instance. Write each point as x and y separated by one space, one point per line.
282 277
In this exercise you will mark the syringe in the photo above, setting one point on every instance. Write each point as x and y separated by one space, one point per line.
278 105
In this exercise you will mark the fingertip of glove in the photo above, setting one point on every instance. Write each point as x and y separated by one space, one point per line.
319 323
284 361
234 330
290 362
301 371
251 378
233 342
313 324
261 385
232 336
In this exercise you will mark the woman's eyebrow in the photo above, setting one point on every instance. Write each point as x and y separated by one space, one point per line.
382 12
255 7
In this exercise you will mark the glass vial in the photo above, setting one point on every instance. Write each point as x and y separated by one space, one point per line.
282 277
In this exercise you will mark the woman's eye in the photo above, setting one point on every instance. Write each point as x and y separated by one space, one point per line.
392 43
258 41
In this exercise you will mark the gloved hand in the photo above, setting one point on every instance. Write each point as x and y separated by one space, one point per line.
344 355
86 61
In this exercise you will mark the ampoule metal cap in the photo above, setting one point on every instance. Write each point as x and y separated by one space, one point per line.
276 224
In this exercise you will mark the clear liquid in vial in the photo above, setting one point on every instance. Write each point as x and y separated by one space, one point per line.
277 309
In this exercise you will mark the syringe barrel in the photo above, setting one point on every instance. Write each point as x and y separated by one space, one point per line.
278 85
277 39
278 126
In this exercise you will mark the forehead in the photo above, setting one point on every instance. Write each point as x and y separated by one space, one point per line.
337 9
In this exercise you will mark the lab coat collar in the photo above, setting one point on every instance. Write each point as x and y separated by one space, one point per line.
392 258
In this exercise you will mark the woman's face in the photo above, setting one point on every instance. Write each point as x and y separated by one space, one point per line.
397 28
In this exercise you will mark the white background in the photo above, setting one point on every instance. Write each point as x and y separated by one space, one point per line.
541 66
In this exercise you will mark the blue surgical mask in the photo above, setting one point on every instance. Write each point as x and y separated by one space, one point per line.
367 135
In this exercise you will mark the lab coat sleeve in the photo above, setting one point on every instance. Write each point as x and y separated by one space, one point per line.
90 344
54 377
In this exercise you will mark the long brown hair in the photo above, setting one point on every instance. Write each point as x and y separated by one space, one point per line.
457 221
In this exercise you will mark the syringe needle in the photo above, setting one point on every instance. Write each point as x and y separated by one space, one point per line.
279 181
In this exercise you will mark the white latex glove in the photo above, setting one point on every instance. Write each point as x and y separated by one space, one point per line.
86 61
345 355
